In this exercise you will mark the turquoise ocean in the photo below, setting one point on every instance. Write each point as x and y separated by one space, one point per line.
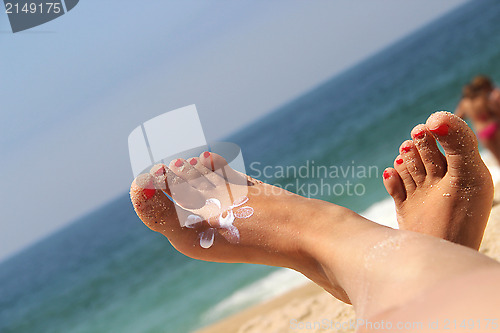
107 272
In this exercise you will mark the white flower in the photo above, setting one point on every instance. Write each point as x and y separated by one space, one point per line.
225 222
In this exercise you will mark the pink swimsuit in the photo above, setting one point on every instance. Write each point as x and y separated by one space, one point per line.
488 132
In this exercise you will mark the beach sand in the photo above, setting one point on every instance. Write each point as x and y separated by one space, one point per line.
310 304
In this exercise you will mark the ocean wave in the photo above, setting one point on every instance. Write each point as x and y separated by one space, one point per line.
383 212
277 283
492 165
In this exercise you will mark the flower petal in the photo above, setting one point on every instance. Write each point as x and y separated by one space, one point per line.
239 202
227 221
214 202
193 221
243 212
207 238
233 235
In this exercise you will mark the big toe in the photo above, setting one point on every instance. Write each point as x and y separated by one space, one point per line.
458 141
152 206
160 214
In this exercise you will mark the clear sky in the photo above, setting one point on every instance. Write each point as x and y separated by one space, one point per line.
74 88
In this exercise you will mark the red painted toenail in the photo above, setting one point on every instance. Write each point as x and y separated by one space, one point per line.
405 149
178 163
399 161
387 174
160 172
193 161
206 154
419 134
440 130
149 191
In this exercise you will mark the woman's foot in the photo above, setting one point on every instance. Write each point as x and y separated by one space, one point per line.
444 196
222 215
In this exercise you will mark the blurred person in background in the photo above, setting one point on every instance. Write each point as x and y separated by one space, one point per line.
481 104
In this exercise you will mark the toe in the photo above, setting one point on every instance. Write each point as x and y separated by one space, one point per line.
190 174
394 185
235 184
213 177
404 174
219 165
434 162
167 182
413 161
458 141
144 188
145 197
160 214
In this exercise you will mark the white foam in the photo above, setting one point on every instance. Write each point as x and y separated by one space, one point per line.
492 165
271 286
382 212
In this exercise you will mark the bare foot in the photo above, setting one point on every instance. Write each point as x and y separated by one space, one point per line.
448 197
257 223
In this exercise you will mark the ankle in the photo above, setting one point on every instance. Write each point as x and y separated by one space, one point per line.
322 235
